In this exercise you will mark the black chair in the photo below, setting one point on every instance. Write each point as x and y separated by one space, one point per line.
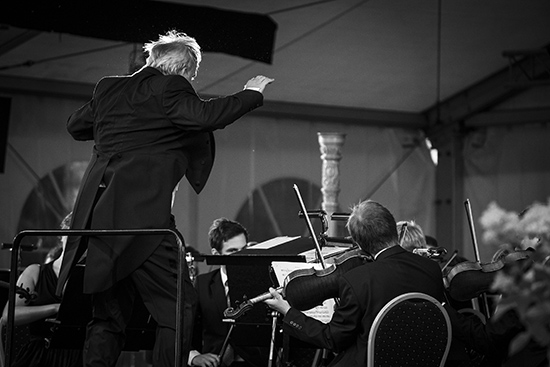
20 338
411 330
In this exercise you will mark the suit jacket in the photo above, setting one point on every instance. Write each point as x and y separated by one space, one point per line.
491 340
210 330
149 131
363 292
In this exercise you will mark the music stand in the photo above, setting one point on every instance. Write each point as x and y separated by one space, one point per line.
249 274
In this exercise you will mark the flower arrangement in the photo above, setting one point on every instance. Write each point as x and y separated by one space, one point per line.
524 288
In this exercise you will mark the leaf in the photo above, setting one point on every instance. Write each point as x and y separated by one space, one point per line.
537 320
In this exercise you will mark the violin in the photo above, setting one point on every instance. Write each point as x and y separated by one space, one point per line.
433 253
469 279
22 292
305 289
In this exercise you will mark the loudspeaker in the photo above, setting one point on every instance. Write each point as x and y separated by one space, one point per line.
5 104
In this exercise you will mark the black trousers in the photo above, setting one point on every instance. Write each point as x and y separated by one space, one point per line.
156 282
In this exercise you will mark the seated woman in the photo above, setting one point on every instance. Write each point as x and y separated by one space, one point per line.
41 281
411 236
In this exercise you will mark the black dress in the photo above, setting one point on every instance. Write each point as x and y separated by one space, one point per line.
36 353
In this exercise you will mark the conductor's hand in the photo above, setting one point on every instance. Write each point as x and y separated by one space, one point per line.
277 302
206 360
258 83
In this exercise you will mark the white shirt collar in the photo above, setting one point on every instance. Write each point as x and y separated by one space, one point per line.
379 252
223 273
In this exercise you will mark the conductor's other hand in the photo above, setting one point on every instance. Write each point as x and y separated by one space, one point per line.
206 360
258 83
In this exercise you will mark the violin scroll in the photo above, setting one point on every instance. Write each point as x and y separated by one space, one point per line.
235 313
242 308
21 291
25 293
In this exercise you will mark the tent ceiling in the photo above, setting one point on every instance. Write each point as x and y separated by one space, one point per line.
389 55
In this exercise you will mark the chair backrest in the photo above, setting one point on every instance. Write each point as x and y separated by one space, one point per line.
413 329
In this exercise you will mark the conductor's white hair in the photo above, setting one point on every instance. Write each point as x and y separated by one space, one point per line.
174 53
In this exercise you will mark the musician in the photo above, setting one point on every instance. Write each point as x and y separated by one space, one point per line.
40 281
412 235
486 343
364 290
150 129
225 237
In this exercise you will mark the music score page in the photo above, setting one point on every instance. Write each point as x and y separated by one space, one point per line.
322 312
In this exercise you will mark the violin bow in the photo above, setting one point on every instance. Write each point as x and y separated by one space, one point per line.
310 226
455 253
402 233
225 343
469 215
312 231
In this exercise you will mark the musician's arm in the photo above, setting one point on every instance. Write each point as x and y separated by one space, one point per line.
24 313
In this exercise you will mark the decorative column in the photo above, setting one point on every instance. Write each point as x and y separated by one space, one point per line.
330 146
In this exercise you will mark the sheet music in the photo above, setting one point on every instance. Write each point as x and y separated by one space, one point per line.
323 312
326 252
276 241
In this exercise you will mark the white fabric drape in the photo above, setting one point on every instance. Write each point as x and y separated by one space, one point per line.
250 153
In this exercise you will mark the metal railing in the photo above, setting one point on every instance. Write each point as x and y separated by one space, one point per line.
95 232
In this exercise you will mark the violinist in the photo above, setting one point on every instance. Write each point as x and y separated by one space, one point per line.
412 239
364 290
486 343
225 237
40 303
412 235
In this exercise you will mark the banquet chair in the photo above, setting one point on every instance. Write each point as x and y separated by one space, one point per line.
20 337
412 329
